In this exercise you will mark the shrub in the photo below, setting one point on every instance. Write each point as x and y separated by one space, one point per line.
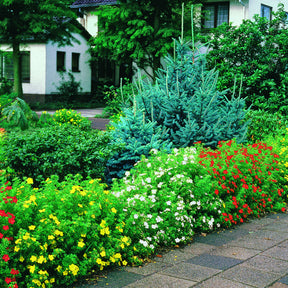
264 124
57 150
69 116
182 108
63 230
255 51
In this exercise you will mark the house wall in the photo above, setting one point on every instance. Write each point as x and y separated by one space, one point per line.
255 6
53 77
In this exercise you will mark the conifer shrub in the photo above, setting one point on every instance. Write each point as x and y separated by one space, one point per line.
181 108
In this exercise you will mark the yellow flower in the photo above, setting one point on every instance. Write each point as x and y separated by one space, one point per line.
117 256
124 262
103 223
93 216
83 235
81 244
16 249
106 192
103 253
31 268
114 210
33 258
21 259
112 259
122 245
57 232
50 237
41 259
59 268
80 205
32 227
65 273
98 261
18 241
74 269
29 180
52 280
41 272
37 282
26 236
91 181
125 239
51 257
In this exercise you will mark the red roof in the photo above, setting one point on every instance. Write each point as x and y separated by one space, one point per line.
92 3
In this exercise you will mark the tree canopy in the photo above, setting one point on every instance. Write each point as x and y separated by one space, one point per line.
141 31
24 21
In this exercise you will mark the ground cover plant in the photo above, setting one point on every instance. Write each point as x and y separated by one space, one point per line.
71 227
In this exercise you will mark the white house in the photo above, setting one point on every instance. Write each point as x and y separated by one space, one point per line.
43 63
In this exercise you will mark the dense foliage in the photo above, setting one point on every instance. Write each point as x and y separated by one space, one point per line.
57 151
257 52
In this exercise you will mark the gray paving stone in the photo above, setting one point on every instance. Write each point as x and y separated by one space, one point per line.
214 261
161 281
117 279
256 243
278 285
277 226
149 268
249 276
217 282
190 272
235 252
268 264
283 244
268 235
174 256
198 248
277 252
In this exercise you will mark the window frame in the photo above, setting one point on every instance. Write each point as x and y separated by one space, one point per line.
215 5
264 6
61 67
75 68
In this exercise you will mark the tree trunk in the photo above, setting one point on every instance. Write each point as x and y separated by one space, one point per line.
18 90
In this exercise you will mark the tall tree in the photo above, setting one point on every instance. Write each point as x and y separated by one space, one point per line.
141 31
23 21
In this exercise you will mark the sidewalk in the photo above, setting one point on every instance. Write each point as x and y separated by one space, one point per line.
254 254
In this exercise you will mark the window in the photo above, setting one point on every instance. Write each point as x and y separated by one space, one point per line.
6 66
61 61
75 62
215 14
266 12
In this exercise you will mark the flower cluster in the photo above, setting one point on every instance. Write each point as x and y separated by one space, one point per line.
6 239
245 178
71 117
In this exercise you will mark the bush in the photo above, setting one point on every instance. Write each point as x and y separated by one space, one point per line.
264 125
63 230
57 151
257 52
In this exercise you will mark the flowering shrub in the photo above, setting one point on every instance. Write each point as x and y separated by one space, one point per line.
64 229
245 178
6 237
71 117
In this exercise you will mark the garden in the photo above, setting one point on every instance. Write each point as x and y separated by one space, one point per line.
183 156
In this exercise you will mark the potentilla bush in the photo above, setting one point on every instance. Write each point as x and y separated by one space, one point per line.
63 230
7 219
57 151
168 198
246 178
71 117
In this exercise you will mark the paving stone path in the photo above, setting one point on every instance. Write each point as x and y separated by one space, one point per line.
254 254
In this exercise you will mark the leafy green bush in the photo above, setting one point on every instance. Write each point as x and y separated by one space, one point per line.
264 124
63 230
57 151
257 52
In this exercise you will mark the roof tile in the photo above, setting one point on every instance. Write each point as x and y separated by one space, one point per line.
91 3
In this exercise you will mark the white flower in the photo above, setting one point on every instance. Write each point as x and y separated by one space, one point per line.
177 240
160 184
148 165
142 198
176 214
183 238
192 203
154 226
136 216
168 203
127 173
154 191
144 243
149 216
146 225
148 180
152 246
153 151
158 219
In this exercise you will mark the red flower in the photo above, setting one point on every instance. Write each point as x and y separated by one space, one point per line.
8 280
229 143
6 257
245 186
216 191
14 272
6 228
283 209
225 172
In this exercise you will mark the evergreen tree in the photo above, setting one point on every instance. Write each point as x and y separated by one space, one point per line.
183 107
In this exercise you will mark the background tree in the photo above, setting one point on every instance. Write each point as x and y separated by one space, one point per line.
257 52
23 21
141 31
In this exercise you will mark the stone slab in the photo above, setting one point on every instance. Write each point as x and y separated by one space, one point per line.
161 281
277 252
250 276
214 261
235 252
149 268
284 280
268 264
190 272
217 282
268 235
